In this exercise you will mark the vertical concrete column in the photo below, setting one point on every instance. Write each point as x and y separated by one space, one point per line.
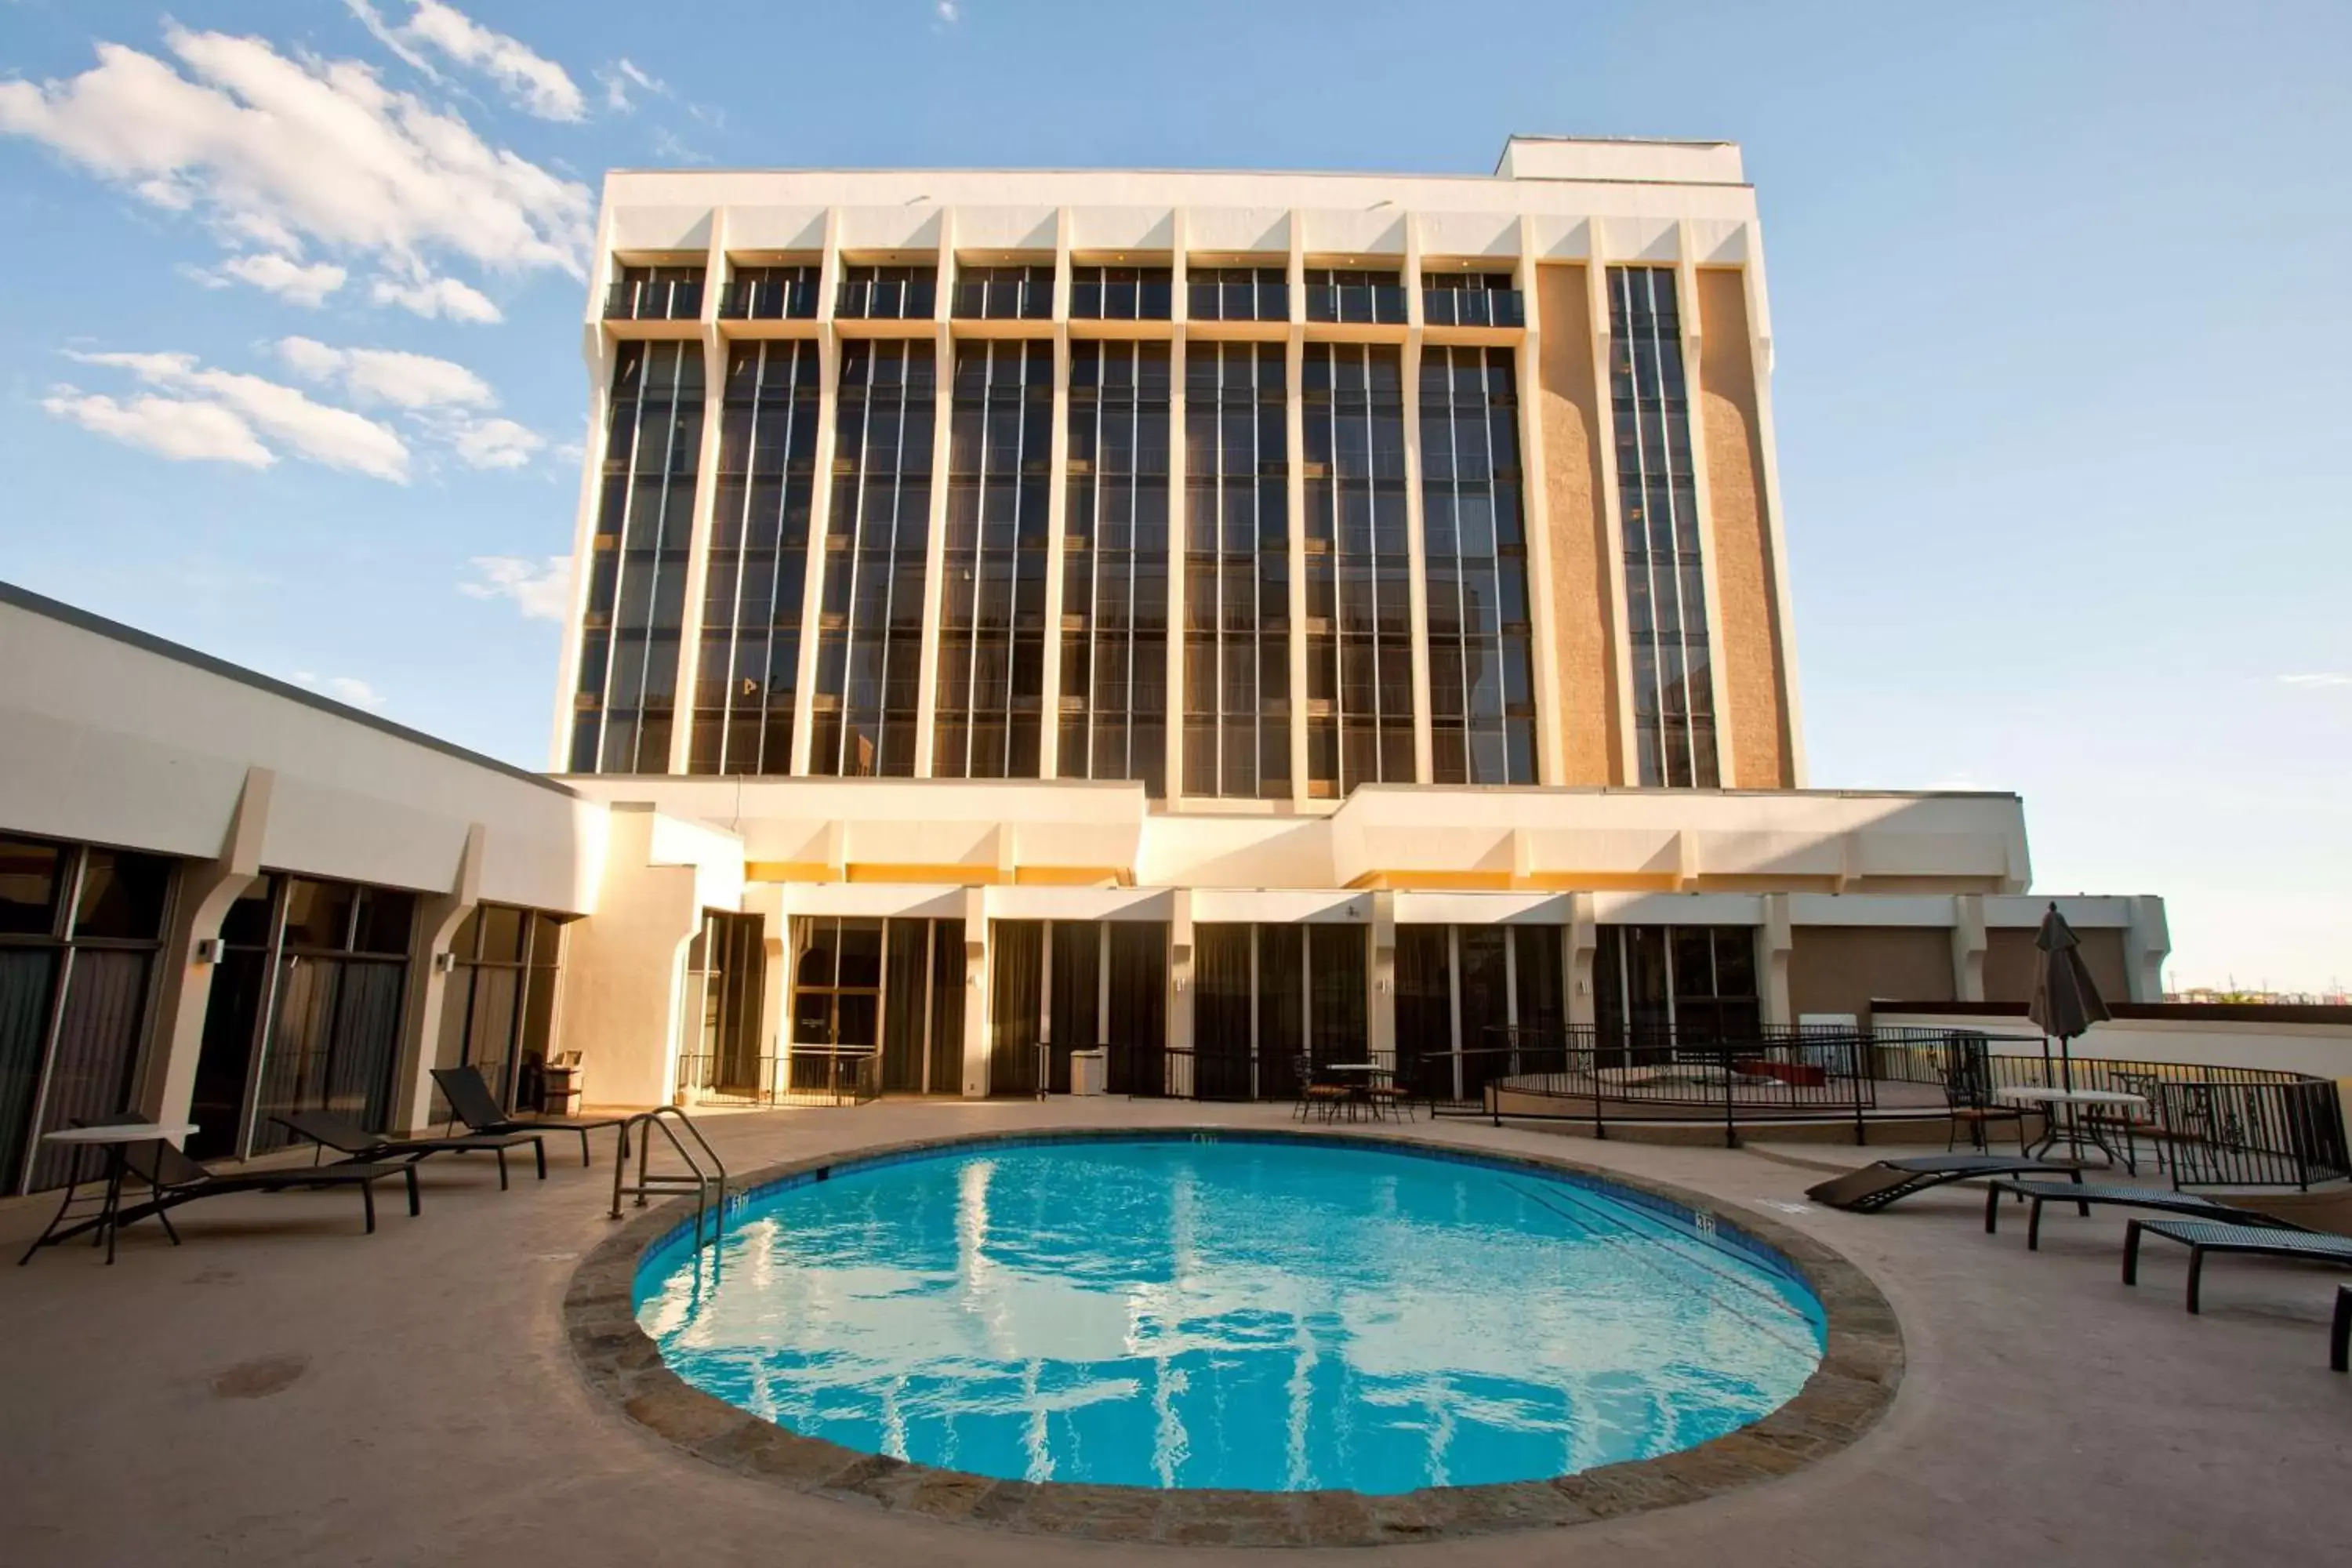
184 984
766 899
978 1035
1968 944
1178 311
1535 511
828 408
1379 976
1415 522
1584 937
1180 969
1295 433
1760 331
596 349
1057 513
1775 940
706 498
1718 645
1596 274
927 688
624 966
438 915
2146 944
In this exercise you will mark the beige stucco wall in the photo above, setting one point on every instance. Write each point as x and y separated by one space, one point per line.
2009 960
1574 426
1749 612
1838 969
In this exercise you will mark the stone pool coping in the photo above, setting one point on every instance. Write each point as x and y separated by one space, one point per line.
1846 1396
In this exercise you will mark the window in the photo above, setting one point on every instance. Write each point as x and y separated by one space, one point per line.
993 603
1665 985
870 641
637 566
1119 293
1237 571
1006 293
1471 299
1481 705
1238 293
758 564
1467 996
1354 295
1114 697
1665 581
80 932
771 294
888 293
1360 714
498 1007
656 294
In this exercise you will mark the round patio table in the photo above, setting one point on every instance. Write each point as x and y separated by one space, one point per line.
115 1138
2076 1133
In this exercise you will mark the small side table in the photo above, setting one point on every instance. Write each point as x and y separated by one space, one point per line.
115 1138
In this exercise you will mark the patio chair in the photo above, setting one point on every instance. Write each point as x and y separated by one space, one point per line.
469 1094
1313 1096
174 1179
1968 1100
2165 1200
358 1145
2253 1241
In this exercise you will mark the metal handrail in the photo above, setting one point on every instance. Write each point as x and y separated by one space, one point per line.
709 1186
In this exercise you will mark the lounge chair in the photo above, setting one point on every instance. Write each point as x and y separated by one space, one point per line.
2165 1200
469 1096
2339 1332
2202 1236
356 1144
1873 1187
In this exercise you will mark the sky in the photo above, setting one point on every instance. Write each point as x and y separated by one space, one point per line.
290 331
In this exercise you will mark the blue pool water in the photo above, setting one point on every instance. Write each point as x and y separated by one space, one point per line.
1256 1314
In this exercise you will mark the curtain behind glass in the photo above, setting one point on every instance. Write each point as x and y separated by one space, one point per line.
1016 993
24 1022
97 1047
1281 1007
947 1006
906 951
1336 962
1139 1003
1077 995
1484 1003
1220 1011
1424 1011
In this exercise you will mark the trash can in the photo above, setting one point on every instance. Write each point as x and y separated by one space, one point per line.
563 1079
1089 1072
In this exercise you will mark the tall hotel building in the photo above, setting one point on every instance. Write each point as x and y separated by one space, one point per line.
1230 617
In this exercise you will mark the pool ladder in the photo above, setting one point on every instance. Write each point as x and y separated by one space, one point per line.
705 1175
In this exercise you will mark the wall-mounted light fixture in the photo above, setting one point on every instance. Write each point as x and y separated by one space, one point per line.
208 949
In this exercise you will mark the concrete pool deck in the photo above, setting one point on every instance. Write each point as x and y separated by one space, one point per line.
283 1389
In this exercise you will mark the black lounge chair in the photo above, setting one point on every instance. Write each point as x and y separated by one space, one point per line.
2165 1200
356 1144
2202 1236
469 1094
2339 1332
1875 1187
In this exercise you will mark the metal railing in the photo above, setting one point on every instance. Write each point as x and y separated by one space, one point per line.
1378 303
1121 301
1238 301
2239 1134
877 299
1169 1072
768 300
805 1075
705 1175
644 300
1473 308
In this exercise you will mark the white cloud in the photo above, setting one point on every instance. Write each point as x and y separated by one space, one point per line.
433 297
622 75
495 443
336 438
2322 680
284 152
342 688
533 81
389 375
949 12
288 278
184 429
541 590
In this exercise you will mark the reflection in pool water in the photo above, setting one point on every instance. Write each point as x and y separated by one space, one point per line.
1271 1315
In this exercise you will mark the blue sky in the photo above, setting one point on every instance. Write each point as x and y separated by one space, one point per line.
2064 346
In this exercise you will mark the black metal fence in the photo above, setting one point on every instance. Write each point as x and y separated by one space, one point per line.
807 1075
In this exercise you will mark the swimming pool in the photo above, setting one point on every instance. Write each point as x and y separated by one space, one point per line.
1247 1312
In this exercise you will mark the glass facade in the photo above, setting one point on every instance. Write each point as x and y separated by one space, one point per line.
889 293
627 692
1481 696
752 591
1120 293
1464 994
1359 715
1237 571
1665 582
1006 293
1667 984
870 637
654 294
1238 293
1354 295
1114 697
1471 299
993 600
498 1007
771 294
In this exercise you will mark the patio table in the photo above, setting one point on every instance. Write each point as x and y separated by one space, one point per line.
113 1138
2076 1133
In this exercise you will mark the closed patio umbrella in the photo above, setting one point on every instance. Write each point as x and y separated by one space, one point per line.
2066 1000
